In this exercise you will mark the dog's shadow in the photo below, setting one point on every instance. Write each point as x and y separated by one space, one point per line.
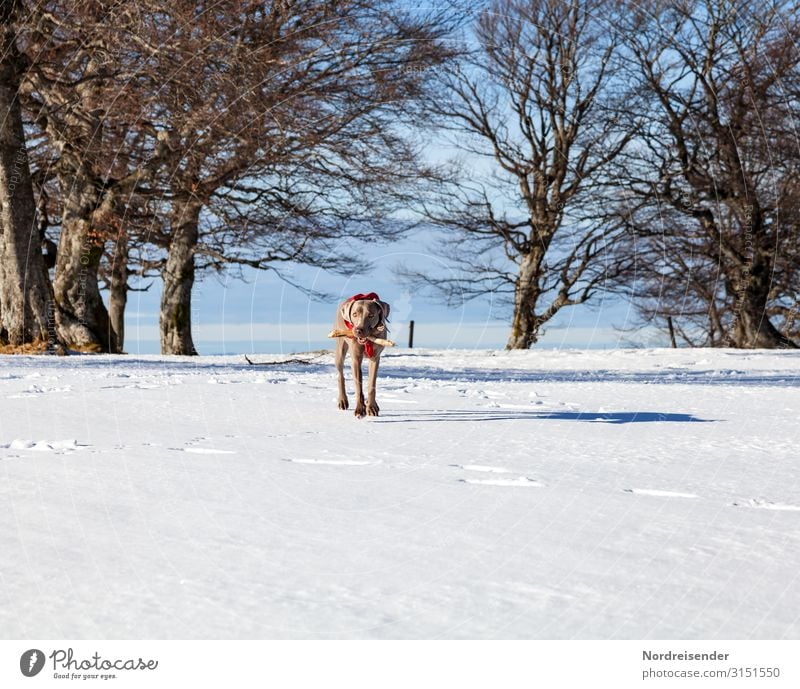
424 415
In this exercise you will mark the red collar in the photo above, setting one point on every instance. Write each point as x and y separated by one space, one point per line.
369 348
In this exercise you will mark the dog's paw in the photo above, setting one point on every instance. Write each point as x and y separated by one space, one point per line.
372 409
343 403
361 410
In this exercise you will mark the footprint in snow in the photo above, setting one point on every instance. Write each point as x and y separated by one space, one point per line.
522 481
34 390
192 447
481 467
659 493
131 386
767 505
59 446
342 462
207 451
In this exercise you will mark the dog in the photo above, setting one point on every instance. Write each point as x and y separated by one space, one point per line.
366 316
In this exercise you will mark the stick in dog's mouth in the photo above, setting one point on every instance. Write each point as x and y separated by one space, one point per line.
361 340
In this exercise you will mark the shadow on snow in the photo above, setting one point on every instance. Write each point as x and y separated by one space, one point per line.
506 415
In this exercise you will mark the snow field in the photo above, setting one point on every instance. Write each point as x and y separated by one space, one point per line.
542 494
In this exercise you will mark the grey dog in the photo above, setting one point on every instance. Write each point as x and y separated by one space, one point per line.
365 315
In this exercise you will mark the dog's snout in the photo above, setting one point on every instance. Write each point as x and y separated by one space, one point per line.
359 331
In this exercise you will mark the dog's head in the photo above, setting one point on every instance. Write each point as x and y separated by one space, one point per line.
367 316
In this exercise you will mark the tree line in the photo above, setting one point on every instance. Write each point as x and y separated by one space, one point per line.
642 148
169 137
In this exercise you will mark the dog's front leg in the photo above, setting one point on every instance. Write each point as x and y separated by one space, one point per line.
341 351
372 405
356 354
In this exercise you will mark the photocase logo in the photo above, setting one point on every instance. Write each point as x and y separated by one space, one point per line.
31 662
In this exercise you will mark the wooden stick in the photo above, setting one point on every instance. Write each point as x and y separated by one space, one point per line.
349 333
280 363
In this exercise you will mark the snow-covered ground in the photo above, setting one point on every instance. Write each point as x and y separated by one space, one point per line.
541 494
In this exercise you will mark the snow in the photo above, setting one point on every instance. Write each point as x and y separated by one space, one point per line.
541 494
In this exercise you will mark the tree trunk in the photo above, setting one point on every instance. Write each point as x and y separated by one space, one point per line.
118 293
3 331
178 278
82 315
24 290
525 324
752 327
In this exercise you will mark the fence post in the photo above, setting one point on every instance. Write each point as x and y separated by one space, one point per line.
671 333
410 334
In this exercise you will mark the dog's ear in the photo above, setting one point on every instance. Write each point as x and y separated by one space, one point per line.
346 307
384 310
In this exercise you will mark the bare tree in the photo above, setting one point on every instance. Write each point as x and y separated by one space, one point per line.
129 255
710 190
536 100
25 295
224 133
291 137
84 91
